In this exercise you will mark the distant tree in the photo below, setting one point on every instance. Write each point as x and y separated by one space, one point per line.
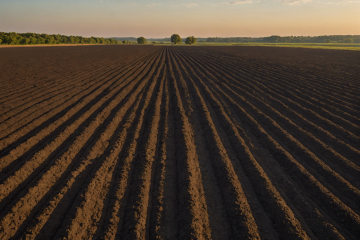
273 38
71 40
45 36
175 39
25 41
40 40
33 40
124 42
76 39
92 40
327 40
190 40
12 40
141 40
57 38
153 42
0 41
49 39
348 40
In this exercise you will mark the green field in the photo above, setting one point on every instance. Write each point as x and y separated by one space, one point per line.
337 46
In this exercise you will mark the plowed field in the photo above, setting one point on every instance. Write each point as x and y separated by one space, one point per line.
145 142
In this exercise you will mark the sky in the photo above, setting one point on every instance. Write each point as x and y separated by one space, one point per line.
199 18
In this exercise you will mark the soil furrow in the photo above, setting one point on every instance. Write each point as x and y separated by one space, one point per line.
307 212
50 217
92 198
40 92
83 72
92 110
289 228
313 114
114 203
308 139
69 114
275 70
192 213
259 73
244 225
299 173
163 212
171 142
136 215
60 164
100 75
63 130
345 148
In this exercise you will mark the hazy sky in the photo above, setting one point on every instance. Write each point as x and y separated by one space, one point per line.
201 18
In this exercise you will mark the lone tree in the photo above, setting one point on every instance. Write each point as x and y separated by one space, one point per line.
175 39
190 40
141 40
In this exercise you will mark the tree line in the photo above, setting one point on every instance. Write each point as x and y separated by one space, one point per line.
12 38
175 39
270 39
290 39
316 39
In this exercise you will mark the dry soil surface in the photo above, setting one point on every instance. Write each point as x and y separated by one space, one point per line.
146 142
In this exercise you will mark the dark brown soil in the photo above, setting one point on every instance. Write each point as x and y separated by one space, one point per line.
145 142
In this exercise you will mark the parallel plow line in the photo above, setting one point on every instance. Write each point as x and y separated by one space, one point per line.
278 76
258 134
181 143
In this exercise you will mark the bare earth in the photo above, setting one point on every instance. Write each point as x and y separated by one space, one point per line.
145 142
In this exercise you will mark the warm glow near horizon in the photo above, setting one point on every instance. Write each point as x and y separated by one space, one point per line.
158 19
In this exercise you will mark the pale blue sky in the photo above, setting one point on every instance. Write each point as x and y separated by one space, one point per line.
201 18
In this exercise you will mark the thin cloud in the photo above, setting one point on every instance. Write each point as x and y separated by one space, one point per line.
191 5
153 5
130 3
294 2
238 2
342 2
